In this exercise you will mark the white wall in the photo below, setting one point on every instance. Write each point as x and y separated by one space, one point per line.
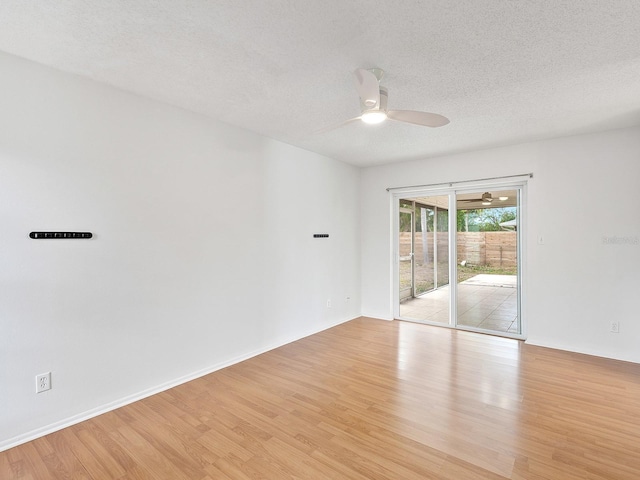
584 188
203 251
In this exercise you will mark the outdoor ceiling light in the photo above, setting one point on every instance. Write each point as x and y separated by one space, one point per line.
486 203
502 199
374 116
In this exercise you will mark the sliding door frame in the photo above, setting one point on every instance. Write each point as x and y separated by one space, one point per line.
519 183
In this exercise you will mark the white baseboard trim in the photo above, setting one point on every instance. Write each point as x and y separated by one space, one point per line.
376 316
94 412
539 342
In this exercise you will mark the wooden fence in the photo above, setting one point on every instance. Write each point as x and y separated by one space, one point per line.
495 249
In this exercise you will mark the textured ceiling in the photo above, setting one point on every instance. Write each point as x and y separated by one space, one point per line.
503 71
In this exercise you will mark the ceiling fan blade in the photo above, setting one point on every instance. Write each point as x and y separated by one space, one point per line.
368 87
333 127
424 119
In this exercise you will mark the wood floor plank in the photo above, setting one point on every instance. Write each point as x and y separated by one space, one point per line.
32 463
64 461
13 465
5 467
367 400
97 461
178 449
95 436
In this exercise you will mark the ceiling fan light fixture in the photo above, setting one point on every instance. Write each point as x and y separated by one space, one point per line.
373 103
374 116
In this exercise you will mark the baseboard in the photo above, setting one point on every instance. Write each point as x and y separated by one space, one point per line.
378 317
94 412
538 342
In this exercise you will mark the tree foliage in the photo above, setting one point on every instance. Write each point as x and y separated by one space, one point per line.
484 219
475 220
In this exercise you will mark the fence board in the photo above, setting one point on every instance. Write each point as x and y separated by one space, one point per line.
496 249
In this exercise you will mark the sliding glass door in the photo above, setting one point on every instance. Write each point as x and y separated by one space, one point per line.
487 261
480 229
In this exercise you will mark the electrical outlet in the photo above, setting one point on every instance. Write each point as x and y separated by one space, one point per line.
615 326
43 382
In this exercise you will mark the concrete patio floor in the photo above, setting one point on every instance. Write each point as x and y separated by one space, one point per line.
488 302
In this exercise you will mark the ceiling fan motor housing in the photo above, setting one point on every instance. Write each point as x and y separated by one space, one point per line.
384 96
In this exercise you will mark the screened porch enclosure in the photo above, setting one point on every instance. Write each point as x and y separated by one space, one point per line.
486 246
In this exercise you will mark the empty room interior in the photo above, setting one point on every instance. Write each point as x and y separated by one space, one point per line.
319 240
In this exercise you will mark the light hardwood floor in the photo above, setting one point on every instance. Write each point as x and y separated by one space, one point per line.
368 399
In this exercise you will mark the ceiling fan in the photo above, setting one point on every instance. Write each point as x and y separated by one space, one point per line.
486 199
373 103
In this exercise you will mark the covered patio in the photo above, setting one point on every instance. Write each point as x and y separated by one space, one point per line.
485 301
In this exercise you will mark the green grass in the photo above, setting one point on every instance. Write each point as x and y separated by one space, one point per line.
468 271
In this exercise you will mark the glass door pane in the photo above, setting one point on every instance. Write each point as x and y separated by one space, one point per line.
429 300
442 235
424 249
487 261
405 260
